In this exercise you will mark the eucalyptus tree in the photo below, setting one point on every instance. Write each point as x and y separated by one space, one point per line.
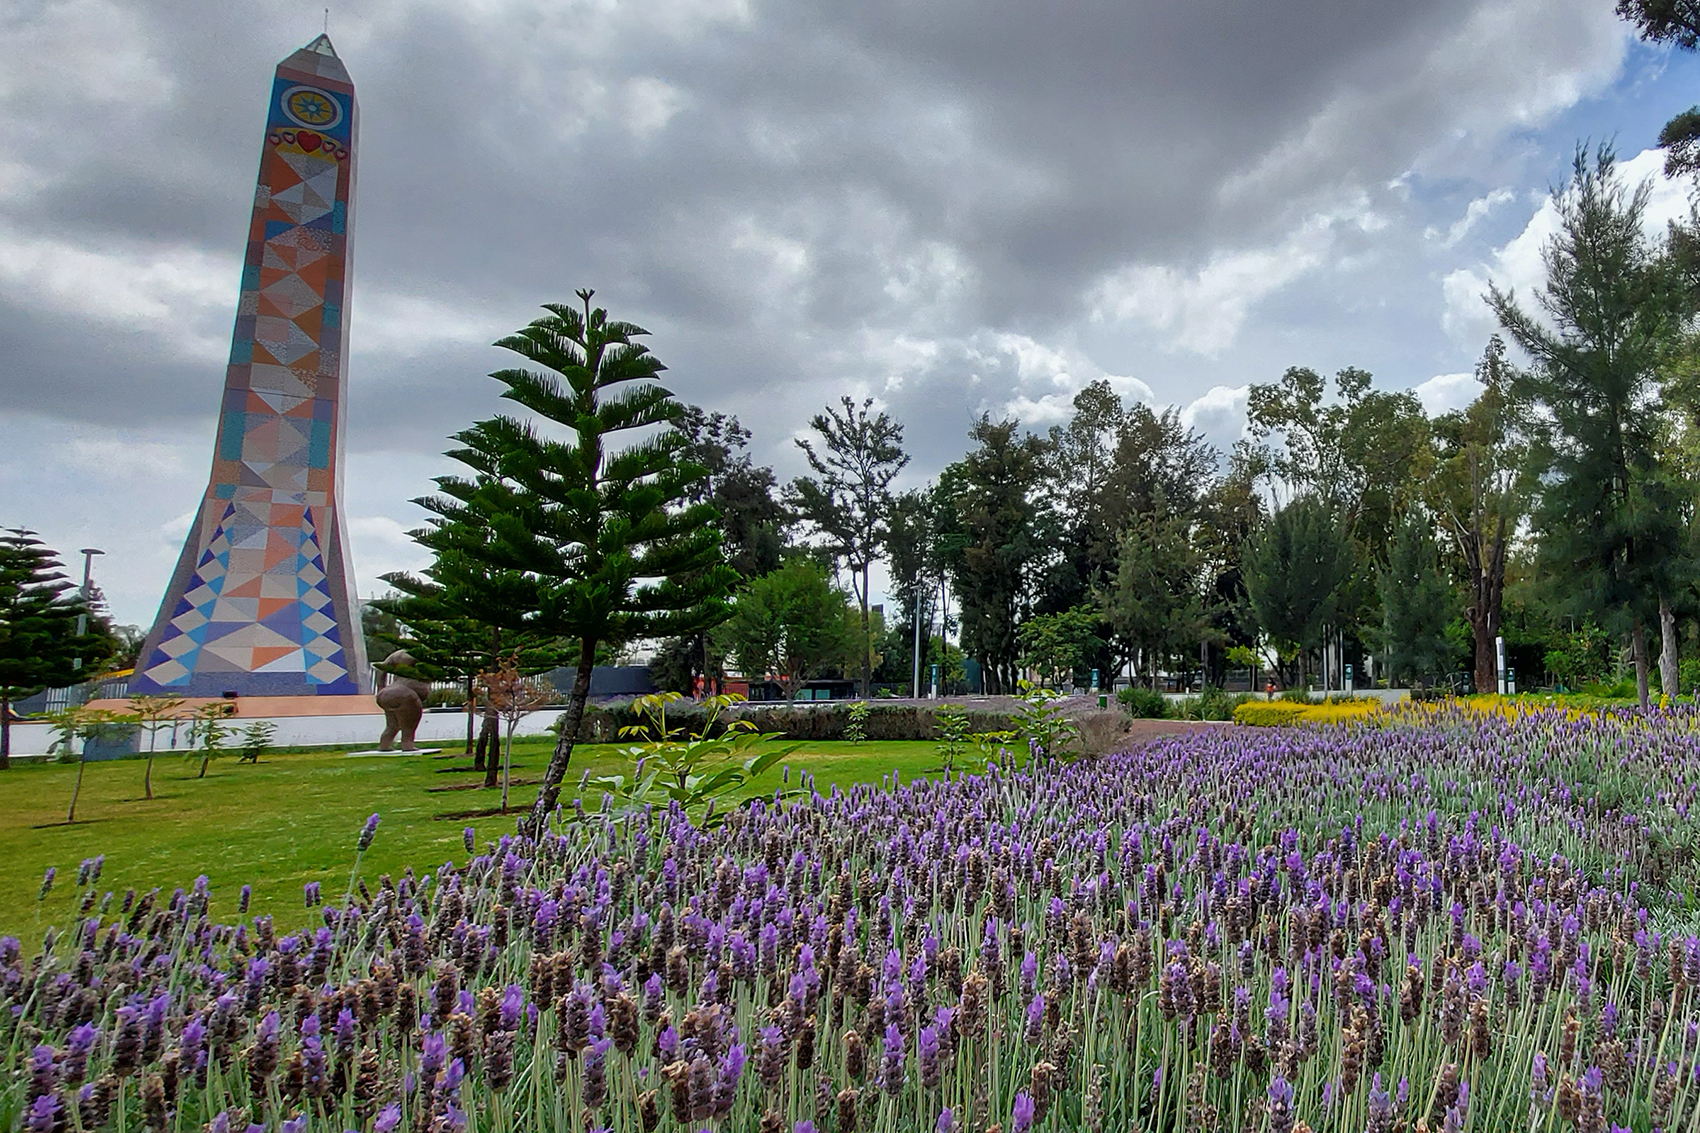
855 456
755 531
1479 492
1003 538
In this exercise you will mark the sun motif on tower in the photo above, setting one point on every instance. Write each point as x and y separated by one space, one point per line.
308 106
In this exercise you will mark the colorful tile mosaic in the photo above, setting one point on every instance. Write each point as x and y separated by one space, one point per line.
261 602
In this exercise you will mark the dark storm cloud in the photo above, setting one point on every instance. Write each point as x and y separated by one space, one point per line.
799 199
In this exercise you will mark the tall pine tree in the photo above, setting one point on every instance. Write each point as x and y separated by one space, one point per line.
1609 513
39 643
603 533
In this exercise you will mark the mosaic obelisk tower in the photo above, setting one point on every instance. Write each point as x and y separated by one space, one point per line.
262 601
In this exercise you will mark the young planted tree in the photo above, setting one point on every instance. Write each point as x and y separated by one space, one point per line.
604 536
77 726
848 500
511 694
1609 513
209 734
39 644
154 713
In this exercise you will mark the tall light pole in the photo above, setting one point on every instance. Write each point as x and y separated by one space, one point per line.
88 554
917 689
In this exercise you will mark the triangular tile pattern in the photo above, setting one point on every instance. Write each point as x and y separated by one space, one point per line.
262 588
258 602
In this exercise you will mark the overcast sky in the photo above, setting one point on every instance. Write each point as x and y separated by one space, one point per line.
956 207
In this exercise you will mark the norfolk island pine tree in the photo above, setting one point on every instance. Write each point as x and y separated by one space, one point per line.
605 535
39 644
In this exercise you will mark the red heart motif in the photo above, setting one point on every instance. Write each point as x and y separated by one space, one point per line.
309 142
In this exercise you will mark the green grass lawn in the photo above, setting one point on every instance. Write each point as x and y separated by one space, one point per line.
294 818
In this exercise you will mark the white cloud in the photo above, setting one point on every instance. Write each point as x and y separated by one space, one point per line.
408 326
88 50
167 292
1446 392
1474 213
1047 377
649 104
1201 312
380 545
1218 414
185 298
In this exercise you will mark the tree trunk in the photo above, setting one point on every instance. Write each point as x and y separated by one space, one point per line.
1670 678
71 815
489 741
5 732
1640 649
867 641
550 789
507 759
471 710
147 776
703 693
1487 668
1487 578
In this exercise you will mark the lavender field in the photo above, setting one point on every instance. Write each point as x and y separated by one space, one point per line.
1454 921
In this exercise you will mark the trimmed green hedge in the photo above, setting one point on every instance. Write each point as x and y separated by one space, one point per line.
804 721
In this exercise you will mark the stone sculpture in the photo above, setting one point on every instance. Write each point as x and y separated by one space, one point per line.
403 700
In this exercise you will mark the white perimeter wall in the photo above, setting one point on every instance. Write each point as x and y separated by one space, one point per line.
435 730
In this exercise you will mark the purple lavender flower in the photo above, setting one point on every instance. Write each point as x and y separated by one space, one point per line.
367 833
44 1114
927 1045
891 1064
1021 1118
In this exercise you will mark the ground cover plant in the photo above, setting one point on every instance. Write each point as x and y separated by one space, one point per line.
1478 921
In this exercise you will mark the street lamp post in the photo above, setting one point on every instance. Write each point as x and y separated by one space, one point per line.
88 554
